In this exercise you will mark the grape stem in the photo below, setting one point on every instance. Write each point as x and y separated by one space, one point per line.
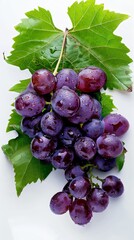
61 53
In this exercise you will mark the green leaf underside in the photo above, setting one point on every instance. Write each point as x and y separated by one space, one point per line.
27 168
90 42
21 86
120 160
107 104
14 122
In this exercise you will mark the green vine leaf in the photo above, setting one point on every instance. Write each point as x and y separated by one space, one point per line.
21 86
107 104
120 160
14 122
91 41
27 168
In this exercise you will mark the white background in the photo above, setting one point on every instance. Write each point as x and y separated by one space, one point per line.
29 217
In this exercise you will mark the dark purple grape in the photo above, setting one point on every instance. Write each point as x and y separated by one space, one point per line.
51 124
62 158
69 135
66 77
31 126
91 79
85 148
104 164
42 146
98 200
66 188
65 102
113 186
79 187
80 212
73 172
29 104
60 203
85 110
43 81
94 128
109 146
96 110
116 124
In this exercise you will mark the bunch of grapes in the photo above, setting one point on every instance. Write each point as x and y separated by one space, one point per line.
65 124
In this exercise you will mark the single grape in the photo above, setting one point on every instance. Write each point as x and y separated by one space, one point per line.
66 77
85 110
65 102
113 186
96 110
109 146
62 158
60 203
42 146
85 148
73 172
51 124
104 164
69 135
79 187
91 79
80 212
98 200
29 104
43 81
93 128
31 126
116 124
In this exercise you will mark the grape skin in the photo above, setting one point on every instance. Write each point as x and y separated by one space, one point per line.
91 79
66 77
113 186
31 126
69 135
98 200
104 164
85 148
62 158
73 172
42 146
94 128
43 81
51 124
79 187
85 110
29 104
115 124
109 146
80 212
65 102
60 203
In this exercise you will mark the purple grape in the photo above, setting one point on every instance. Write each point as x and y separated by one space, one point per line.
80 212
85 148
65 102
66 188
73 172
113 186
62 158
66 77
109 146
51 124
79 187
31 126
43 81
94 128
91 79
96 110
98 200
69 135
85 111
104 164
60 203
116 124
29 104
42 146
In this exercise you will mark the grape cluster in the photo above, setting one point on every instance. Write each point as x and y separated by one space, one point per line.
65 124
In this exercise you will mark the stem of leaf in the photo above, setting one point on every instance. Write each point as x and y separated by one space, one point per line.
61 53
